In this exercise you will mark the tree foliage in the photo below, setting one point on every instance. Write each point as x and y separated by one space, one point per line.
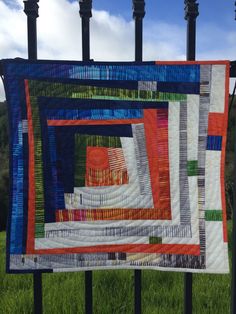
229 166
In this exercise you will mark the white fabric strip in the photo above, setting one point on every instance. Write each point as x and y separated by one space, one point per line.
192 126
217 97
81 241
173 139
212 183
216 249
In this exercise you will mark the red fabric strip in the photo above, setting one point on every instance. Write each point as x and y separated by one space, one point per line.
180 249
31 197
92 122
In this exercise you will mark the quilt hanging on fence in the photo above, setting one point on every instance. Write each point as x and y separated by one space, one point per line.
117 165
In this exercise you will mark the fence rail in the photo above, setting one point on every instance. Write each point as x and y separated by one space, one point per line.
31 8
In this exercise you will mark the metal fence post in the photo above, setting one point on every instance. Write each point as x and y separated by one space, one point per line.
31 10
191 13
137 291
86 14
38 297
88 292
138 15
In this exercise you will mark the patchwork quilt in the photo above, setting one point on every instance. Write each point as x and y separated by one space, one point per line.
117 165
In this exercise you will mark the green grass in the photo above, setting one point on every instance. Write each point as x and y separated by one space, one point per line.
162 292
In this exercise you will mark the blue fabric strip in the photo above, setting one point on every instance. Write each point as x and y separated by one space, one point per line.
91 104
100 71
94 114
162 86
214 142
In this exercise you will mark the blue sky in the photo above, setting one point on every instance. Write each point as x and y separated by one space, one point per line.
112 30
214 13
211 10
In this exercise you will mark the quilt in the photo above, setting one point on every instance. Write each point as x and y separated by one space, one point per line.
117 165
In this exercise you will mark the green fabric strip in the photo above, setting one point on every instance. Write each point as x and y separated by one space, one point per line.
38 169
49 89
192 167
103 141
80 160
213 215
155 240
39 230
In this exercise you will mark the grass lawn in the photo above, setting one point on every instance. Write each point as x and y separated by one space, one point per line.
162 292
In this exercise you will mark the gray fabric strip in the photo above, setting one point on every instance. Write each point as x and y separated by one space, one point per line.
142 159
157 231
205 84
185 214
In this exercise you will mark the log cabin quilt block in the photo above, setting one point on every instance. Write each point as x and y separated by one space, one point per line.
117 165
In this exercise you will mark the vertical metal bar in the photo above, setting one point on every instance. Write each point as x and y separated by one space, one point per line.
31 10
188 286
137 291
88 292
38 298
191 39
32 46
191 13
138 39
85 14
138 15
233 278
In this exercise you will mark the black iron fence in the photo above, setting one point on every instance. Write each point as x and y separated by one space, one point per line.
31 8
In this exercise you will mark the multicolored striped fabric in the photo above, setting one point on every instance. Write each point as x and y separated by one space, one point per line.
117 165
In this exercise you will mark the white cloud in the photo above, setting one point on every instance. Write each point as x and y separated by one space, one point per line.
12 31
59 30
164 41
112 37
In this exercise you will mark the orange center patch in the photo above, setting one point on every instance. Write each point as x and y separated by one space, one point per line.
97 158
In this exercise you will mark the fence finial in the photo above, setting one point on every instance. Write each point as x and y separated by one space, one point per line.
191 9
31 8
85 8
85 14
235 10
138 15
191 13
138 9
